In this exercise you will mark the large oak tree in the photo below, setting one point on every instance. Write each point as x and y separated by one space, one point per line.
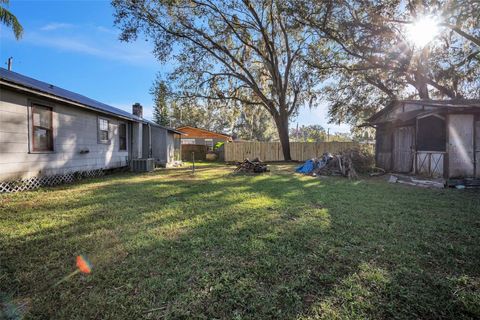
243 50
372 60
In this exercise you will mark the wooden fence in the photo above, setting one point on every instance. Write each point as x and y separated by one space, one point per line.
272 151
199 150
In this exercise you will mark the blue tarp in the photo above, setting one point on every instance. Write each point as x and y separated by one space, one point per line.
310 165
307 167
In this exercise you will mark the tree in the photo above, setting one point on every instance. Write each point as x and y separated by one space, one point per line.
160 111
9 20
240 50
210 115
254 123
310 133
374 61
231 117
463 19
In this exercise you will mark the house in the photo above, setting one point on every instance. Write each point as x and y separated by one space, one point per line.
48 134
428 137
198 136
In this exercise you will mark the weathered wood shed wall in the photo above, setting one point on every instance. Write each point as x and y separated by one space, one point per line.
461 145
434 138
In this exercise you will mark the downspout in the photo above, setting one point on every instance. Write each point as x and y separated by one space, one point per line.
150 152
130 149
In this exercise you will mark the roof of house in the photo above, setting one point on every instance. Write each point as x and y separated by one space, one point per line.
441 104
193 132
10 77
19 81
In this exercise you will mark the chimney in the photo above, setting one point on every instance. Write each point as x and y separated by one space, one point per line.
137 110
9 63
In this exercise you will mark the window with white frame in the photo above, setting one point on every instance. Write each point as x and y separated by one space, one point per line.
103 130
122 136
42 128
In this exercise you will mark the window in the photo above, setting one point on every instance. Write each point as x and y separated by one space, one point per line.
122 136
102 130
431 134
209 144
42 128
188 141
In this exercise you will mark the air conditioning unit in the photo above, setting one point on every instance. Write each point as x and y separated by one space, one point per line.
143 165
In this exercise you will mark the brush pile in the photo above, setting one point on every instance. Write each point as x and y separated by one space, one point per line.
254 166
337 165
343 164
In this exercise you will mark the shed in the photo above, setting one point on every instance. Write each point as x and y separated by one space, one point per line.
435 138
166 147
199 136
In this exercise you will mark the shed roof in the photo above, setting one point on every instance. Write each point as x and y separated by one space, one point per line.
164 127
193 132
440 104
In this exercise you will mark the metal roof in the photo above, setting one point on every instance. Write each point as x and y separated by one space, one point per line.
164 127
204 130
462 103
456 103
36 85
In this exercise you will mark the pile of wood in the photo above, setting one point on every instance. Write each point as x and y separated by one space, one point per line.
254 166
338 165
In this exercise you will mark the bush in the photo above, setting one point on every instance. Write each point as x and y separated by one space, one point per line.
218 145
363 159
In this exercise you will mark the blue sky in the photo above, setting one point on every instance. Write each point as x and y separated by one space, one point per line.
74 45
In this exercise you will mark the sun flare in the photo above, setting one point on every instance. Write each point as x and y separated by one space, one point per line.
422 31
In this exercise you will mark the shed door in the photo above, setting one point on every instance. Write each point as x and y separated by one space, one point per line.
403 141
460 145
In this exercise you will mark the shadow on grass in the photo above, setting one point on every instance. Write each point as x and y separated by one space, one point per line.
220 246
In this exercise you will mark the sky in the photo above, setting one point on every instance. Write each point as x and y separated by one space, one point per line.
74 45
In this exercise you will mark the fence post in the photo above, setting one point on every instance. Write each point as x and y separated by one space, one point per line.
193 162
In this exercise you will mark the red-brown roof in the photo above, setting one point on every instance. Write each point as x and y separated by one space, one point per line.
192 132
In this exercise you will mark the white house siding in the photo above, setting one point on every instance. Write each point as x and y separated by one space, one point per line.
74 129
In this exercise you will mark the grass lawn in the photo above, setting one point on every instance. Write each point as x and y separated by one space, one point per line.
217 246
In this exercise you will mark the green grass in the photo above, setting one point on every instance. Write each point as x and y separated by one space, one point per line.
221 246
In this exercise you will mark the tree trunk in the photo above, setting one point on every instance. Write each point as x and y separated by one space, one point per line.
423 91
421 82
282 127
421 86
